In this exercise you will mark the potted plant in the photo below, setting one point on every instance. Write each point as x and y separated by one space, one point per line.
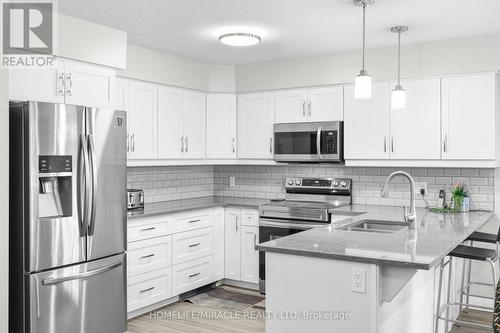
459 198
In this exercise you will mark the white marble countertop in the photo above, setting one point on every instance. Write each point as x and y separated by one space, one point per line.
423 248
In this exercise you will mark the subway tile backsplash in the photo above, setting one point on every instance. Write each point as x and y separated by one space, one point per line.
182 182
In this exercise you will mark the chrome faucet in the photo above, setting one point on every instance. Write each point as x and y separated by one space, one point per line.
411 216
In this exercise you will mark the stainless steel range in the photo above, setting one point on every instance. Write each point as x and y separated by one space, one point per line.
308 203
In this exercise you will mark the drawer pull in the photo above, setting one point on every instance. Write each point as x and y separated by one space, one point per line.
193 245
148 229
148 256
194 275
194 221
146 290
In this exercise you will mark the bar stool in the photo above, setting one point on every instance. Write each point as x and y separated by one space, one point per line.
469 253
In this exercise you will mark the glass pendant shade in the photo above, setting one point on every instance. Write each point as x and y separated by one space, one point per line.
363 86
398 98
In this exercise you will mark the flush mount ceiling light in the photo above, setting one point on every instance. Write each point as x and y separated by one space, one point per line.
398 97
239 39
363 82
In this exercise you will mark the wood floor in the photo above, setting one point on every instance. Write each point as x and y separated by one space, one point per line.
482 317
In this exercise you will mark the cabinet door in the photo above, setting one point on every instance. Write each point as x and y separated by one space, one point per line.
468 106
89 85
232 231
221 126
121 94
170 123
249 256
195 106
291 106
218 241
42 85
142 120
255 125
325 104
366 127
415 131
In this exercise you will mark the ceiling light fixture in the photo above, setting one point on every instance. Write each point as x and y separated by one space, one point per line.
239 39
398 97
363 82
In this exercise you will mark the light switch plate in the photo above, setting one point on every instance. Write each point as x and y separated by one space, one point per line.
232 181
358 280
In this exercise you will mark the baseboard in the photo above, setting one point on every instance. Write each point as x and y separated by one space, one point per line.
241 284
152 307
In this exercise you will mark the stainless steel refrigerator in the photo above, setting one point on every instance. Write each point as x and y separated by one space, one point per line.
67 219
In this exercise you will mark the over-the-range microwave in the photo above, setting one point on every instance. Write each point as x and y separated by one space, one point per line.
318 142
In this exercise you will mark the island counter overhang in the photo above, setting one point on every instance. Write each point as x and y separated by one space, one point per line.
312 273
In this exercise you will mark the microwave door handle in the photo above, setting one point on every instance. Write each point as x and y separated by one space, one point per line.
93 183
318 142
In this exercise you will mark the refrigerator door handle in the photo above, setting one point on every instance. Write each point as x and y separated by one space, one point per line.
83 275
83 188
93 169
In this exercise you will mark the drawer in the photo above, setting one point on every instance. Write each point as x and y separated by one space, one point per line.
149 255
250 218
192 221
149 288
192 245
191 275
147 228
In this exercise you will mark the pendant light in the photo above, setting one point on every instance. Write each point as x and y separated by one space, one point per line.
363 82
398 97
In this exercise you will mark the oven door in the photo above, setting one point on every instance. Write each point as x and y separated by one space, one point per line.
270 229
308 142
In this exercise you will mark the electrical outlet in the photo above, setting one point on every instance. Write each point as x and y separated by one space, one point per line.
358 280
420 186
232 181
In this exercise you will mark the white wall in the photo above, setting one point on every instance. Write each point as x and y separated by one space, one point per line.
90 42
419 60
4 200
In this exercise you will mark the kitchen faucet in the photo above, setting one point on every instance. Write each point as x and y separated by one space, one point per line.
411 216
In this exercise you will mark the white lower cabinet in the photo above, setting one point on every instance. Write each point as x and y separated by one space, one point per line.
172 254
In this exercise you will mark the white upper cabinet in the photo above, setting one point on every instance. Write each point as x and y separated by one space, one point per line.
468 106
69 82
314 104
170 123
89 85
255 125
366 127
291 106
194 124
142 120
325 104
221 126
415 130
121 94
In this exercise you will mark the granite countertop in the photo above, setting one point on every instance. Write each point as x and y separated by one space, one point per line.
179 206
423 248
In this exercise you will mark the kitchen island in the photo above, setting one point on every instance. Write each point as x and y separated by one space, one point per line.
359 276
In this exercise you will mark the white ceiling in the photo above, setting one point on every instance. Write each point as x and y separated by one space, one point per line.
289 28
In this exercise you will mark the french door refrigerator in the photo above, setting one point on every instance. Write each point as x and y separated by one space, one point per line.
67 219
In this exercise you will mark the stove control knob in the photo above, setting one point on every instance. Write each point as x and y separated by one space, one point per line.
343 183
298 182
290 182
335 183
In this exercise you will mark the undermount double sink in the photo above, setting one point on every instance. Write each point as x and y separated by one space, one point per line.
379 226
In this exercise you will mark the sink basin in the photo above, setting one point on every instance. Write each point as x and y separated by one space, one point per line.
376 226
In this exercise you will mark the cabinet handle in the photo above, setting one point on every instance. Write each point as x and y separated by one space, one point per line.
445 143
304 108
271 145
235 221
146 290
128 142
60 84
392 144
70 89
187 144
194 275
309 107
234 146
194 221
254 240
148 229
194 245
182 144
148 256
385 144
132 138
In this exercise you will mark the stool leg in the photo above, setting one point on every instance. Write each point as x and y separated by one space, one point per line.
462 287
436 322
448 295
469 269
494 272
